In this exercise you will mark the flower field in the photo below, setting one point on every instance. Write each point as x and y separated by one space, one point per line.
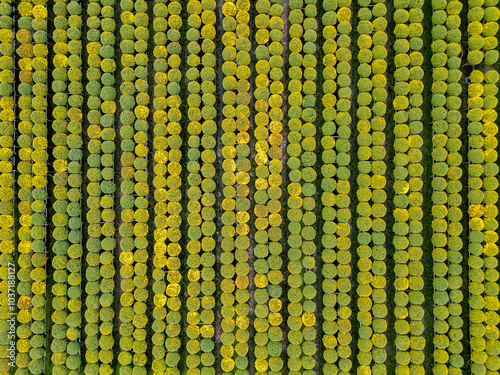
249 187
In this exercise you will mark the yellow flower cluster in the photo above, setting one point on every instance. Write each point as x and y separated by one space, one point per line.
483 172
32 168
446 198
7 233
302 189
268 184
101 189
236 165
483 29
202 130
408 186
483 223
25 178
336 230
167 182
66 251
371 181
134 111
211 234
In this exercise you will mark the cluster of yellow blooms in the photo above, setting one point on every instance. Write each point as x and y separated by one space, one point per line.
32 195
268 127
236 203
446 198
301 212
201 219
482 173
133 254
167 183
336 131
7 165
201 284
66 252
371 182
408 186
101 188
